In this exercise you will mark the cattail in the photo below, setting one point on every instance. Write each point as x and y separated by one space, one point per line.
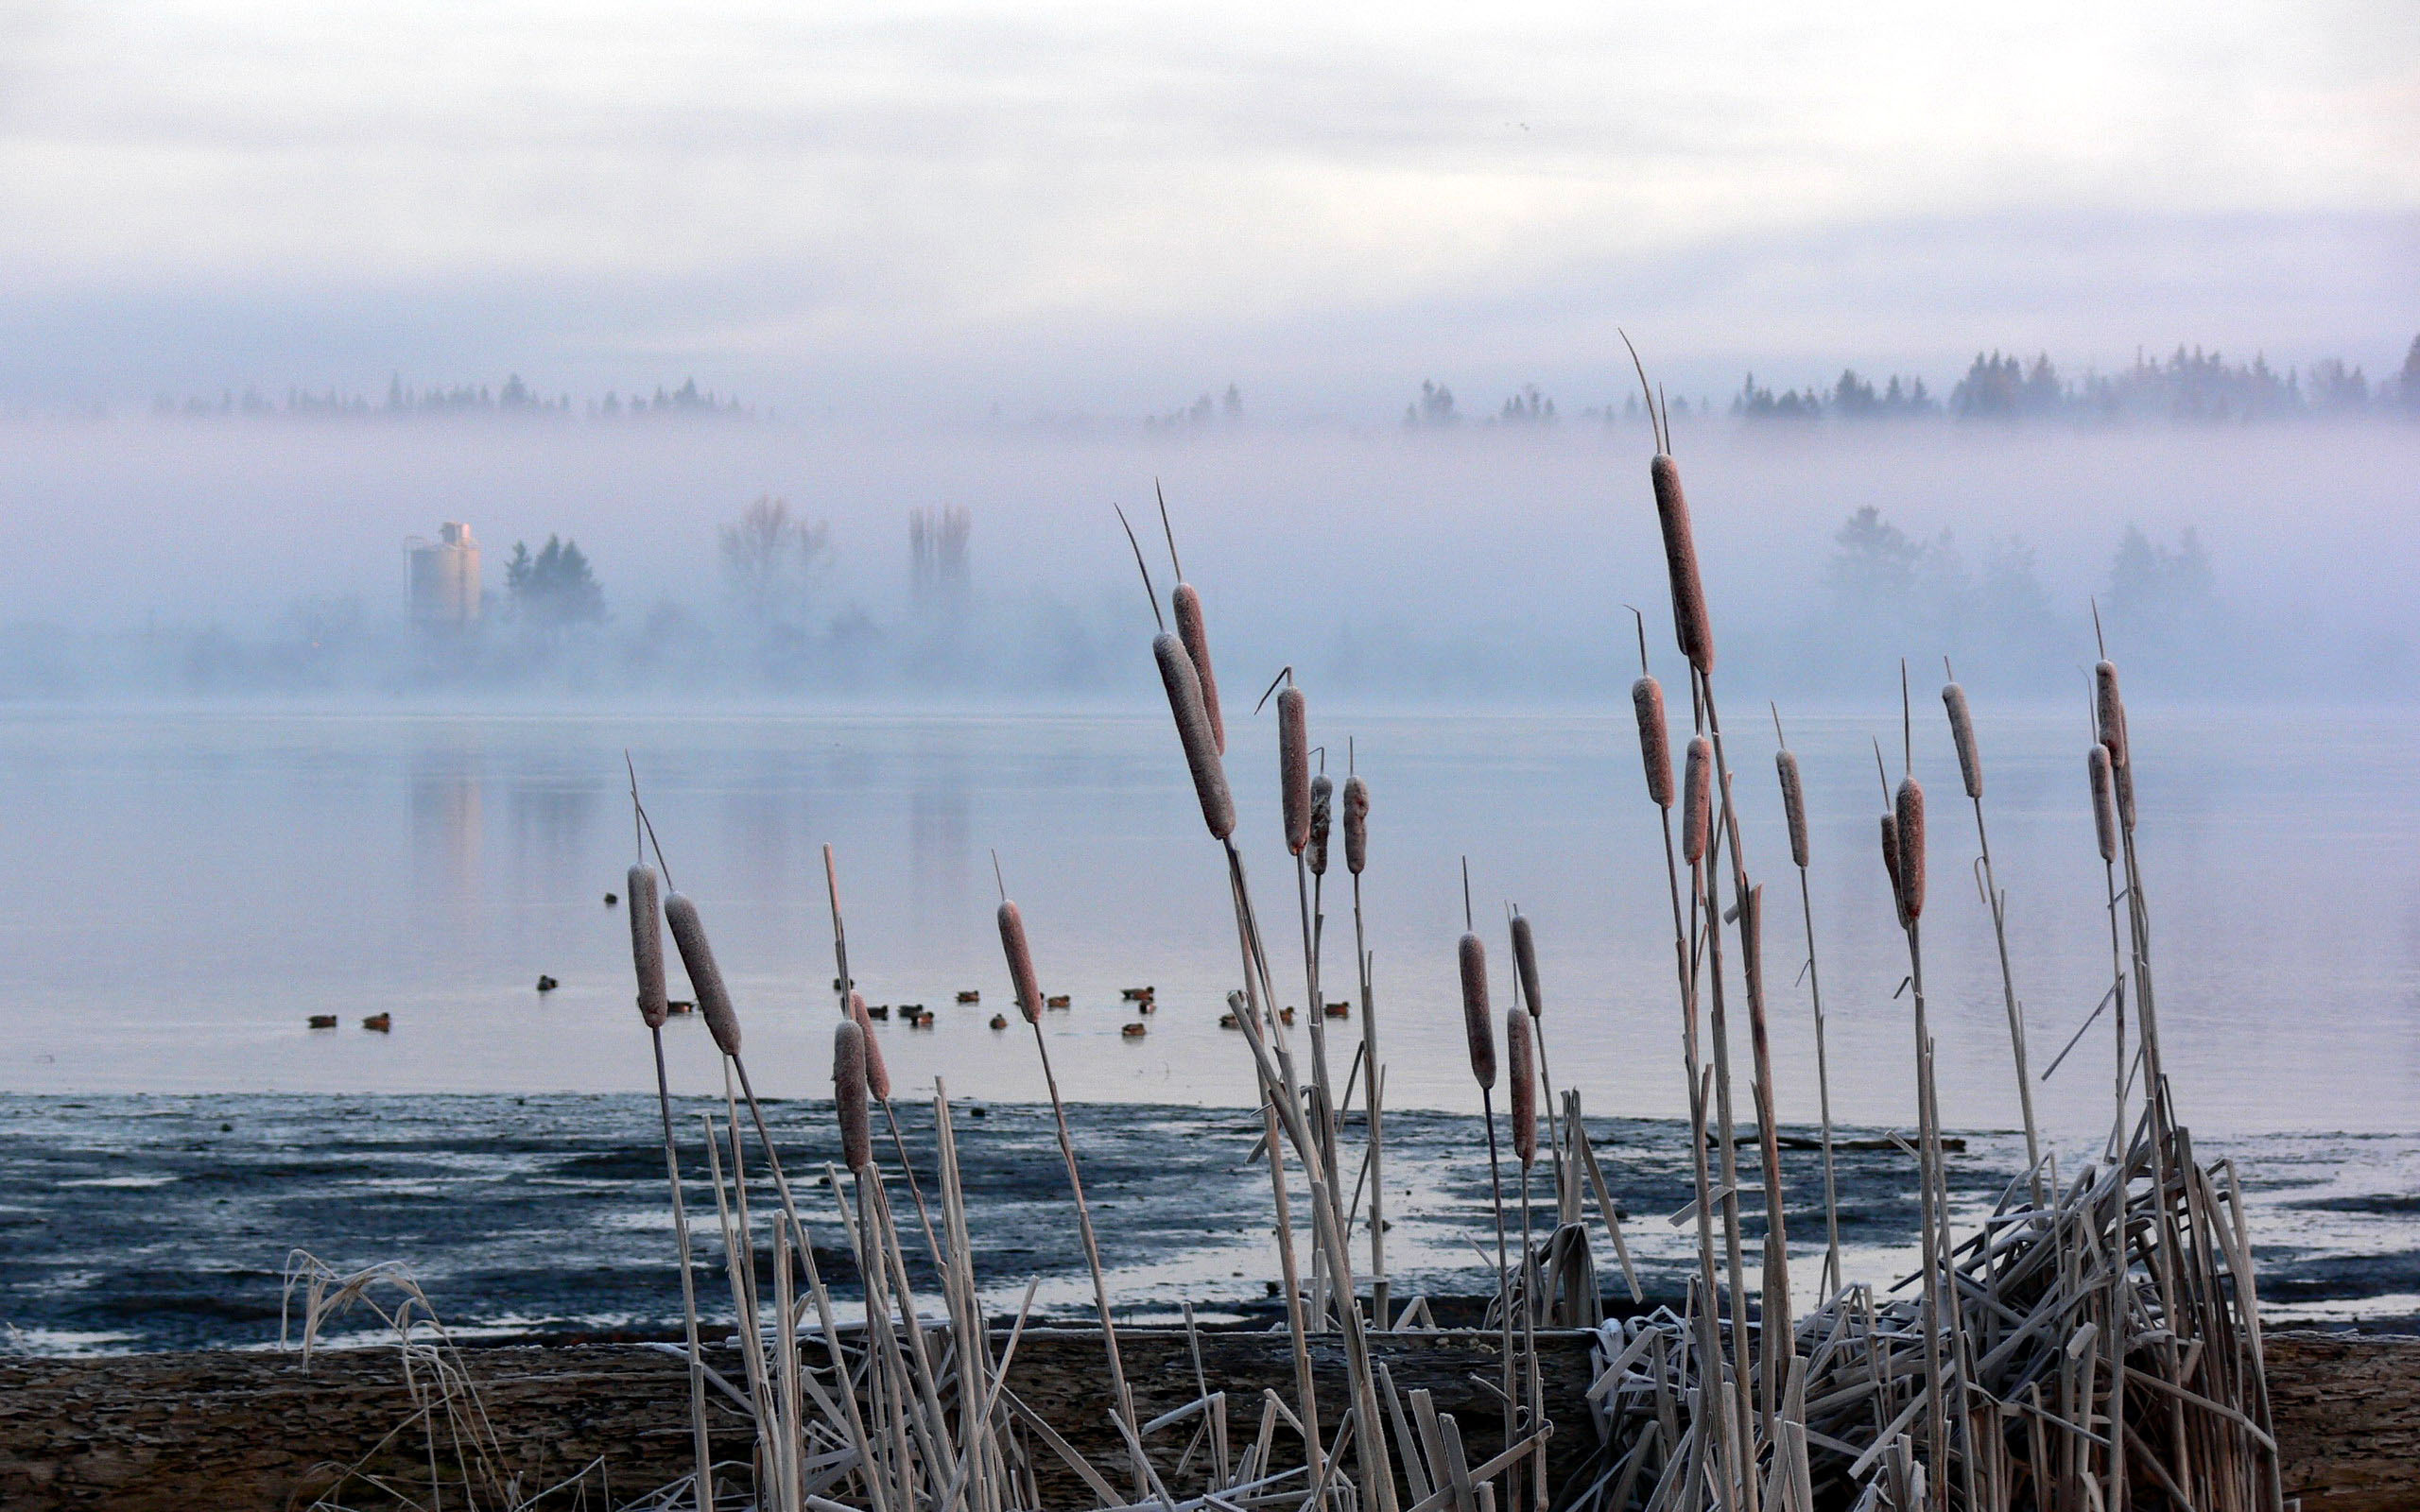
1697 798
1519 1058
2124 775
1890 864
2109 711
1322 793
1197 732
1475 1016
1525 964
2105 801
1195 633
1020 955
1911 847
1681 562
1793 804
646 945
849 1096
1962 729
1294 769
1654 739
697 960
1356 824
877 1074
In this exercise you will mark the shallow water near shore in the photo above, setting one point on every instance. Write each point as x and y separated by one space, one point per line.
195 886
164 1222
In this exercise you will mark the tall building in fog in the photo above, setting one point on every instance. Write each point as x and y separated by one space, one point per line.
445 578
937 556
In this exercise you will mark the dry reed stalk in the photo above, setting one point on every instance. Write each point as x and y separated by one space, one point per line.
1775 1305
1654 739
1970 766
1028 992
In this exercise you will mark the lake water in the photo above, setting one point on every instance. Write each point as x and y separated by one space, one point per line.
188 886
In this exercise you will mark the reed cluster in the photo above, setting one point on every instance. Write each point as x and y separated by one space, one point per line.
2089 1346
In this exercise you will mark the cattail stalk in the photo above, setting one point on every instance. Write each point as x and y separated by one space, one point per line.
1793 802
1193 631
1029 995
849 1102
1903 845
1724 1444
1775 1301
1690 624
1522 1083
646 959
2104 819
1198 733
1479 1035
1654 739
1294 803
1357 852
1970 767
1528 996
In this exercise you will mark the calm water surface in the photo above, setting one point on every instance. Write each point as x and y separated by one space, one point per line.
187 888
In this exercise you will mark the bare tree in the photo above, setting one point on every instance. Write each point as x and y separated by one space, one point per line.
767 552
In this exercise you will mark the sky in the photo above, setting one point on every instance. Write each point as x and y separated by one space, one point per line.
928 209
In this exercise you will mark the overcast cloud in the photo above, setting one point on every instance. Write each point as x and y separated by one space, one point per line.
1094 207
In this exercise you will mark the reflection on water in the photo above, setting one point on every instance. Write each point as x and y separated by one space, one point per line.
191 887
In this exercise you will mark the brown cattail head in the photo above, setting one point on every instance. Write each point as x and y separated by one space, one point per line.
877 1074
1195 634
1294 768
1793 804
705 978
1962 729
1196 732
1021 977
647 944
1681 562
1322 802
849 1096
2124 775
1476 1026
1654 739
2109 712
1912 848
2105 801
1890 864
1525 964
1520 1065
1697 798
1356 824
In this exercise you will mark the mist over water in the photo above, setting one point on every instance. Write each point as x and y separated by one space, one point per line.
1485 566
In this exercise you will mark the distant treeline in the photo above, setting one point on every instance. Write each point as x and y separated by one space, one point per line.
2189 385
512 397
